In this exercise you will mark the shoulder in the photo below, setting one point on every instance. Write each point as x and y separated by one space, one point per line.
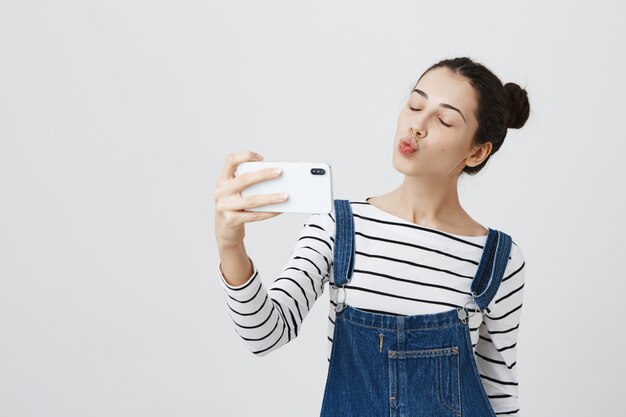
515 267
516 255
509 297
356 206
328 221
324 222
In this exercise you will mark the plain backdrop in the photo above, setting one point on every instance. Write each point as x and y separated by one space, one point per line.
116 118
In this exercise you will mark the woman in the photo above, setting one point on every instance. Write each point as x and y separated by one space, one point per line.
426 315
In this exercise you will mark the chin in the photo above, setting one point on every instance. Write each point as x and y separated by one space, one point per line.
403 164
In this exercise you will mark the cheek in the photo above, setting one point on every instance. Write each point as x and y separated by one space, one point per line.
401 121
448 151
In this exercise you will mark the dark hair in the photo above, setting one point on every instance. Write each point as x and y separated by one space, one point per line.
499 106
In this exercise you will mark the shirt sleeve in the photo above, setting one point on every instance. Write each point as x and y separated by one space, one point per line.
266 319
496 348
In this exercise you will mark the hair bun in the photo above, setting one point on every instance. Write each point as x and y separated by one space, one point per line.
519 105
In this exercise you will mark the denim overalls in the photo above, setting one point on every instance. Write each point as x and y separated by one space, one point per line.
407 366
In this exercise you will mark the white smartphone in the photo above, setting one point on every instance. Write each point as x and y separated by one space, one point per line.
308 185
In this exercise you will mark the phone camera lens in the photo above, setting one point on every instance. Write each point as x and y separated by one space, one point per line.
317 171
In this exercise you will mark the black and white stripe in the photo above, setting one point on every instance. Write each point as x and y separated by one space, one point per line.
400 268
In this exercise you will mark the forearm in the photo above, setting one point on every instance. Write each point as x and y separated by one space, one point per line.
235 264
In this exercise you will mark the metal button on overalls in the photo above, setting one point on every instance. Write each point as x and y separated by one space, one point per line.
407 366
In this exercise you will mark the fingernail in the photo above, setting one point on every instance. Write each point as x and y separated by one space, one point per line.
259 157
276 171
283 196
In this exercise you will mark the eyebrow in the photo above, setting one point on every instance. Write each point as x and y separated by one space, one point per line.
423 94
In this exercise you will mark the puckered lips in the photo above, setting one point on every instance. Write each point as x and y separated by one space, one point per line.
407 145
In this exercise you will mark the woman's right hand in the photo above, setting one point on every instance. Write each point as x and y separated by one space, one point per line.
230 216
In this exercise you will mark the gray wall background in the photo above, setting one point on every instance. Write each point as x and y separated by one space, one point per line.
116 117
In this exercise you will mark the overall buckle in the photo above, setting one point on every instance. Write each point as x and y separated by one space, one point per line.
341 305
463 312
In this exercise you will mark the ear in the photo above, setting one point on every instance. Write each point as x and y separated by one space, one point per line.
479 154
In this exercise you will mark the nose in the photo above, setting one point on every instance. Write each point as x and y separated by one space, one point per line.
416 132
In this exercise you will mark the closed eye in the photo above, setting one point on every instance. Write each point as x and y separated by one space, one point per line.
442 122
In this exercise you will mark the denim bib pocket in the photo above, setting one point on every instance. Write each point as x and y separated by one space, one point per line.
429 376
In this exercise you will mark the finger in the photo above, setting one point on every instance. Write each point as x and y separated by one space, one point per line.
234 159
238 203
244 181
250 217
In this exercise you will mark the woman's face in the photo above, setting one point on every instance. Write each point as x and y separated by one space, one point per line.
442 149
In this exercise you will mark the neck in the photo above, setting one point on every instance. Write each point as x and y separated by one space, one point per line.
427 201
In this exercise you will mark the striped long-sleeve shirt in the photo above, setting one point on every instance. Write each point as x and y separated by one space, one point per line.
399 268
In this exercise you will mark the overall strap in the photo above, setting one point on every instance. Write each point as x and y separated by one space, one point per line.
343 252
491 267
